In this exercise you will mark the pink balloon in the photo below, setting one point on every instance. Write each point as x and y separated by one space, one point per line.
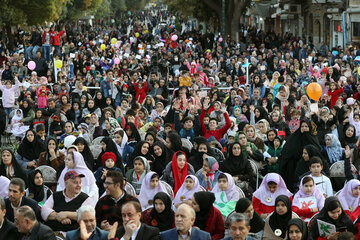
31 65
117 60
220 39
174 37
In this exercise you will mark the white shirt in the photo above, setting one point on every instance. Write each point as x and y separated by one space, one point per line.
324 184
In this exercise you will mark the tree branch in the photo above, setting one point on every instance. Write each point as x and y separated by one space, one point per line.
214 5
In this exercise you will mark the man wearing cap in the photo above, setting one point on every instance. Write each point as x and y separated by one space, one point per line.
59 211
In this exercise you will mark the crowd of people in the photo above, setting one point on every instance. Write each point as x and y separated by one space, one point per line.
155 128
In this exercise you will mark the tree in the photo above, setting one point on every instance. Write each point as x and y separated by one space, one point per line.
73 9
209 11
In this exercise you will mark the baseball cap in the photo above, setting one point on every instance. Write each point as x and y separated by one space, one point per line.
72 175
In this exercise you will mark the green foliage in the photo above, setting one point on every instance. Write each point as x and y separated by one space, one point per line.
73 9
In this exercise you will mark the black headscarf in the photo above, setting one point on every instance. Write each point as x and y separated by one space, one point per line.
18 170
110 147
137 152
280 222
347 140
86 153
135 133
26 110
31 150
35 192
332 203
165 220
301 225
232 164
263 114
196 157
256 223
205 200
160 162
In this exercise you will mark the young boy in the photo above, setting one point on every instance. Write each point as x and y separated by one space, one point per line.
322 182
190 128
272 155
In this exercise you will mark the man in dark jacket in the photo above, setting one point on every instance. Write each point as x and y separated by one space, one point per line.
8 230
29 227
17 199
41 66
132 227
35 44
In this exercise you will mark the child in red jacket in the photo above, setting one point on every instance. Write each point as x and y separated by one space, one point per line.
141 89
56 39
334 93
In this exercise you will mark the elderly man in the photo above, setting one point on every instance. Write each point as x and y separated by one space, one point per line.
184 219
29 227
88 229
17 199
8 230
108 208
59 211
132 228
239 227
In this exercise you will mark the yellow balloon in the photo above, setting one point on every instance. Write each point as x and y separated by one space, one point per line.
154 4
137 35
359 70
103 46
58 63
113 41
314 91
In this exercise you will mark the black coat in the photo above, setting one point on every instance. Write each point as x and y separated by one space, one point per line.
8 231
145 233
42 232
25 201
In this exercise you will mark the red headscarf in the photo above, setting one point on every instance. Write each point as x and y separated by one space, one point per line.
175 169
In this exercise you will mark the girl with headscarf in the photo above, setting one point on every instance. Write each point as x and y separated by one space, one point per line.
141 149
293 148
258 114
121 141
37 190
333 151
309 200
276 224
17 126
239 167
161 218
149 187
262 127
252 137
332 213
69 130
188 188
111 126
208 218
151 138
132 133
176 171
349 198
29 151
9 167
226 184
277 122
136 174
244 205
297 230
108 145
236 113
91 108
272 155
52 156
75 162
94 129
347 135
208 177
162 156
264 197
84 149
28 112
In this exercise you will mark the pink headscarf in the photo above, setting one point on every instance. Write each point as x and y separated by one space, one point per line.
263 193
320 199
81 168
231 193
184 194
346 197
147 193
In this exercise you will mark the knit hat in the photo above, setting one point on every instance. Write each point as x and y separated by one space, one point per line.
108 155
84 126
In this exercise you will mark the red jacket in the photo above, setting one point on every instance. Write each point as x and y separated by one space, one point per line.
44 37
56 38
262 208
218 133
303 213
215 224
335 96
140 93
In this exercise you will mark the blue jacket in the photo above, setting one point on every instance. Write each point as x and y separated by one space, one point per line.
203 183
196 234
98 234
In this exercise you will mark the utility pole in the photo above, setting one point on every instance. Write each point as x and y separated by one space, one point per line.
223 25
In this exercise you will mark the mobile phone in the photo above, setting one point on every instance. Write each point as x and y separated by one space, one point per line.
342 229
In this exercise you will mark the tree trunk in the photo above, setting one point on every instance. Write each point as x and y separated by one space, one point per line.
10 44
238 8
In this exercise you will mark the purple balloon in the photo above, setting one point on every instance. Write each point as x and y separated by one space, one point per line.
174 37
31 65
